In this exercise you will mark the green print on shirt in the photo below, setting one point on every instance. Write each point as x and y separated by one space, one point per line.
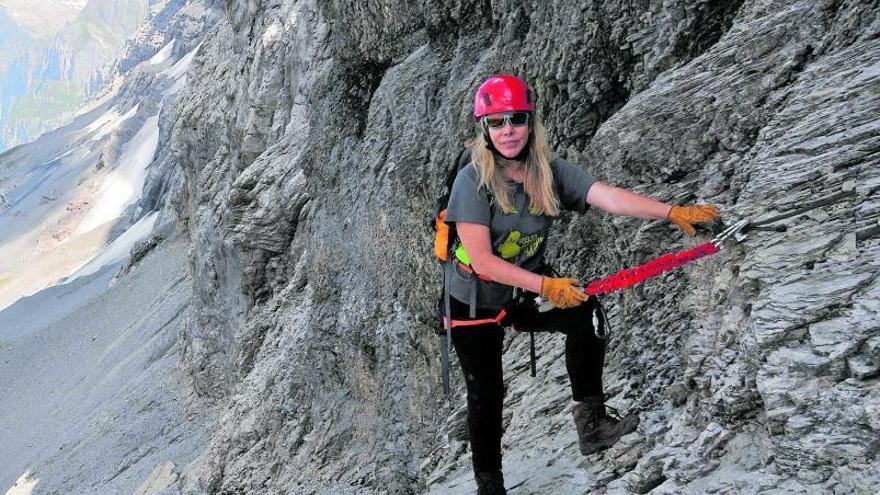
530 244
516 244
513 210
509 248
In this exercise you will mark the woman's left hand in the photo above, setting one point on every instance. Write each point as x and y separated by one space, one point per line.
685 216
562 292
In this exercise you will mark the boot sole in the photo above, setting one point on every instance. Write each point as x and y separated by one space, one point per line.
596 447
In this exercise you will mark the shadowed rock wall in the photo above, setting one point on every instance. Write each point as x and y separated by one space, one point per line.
316 134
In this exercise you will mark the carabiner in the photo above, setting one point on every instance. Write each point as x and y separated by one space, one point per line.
731 231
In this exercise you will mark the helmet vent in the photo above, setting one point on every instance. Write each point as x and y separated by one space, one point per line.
486 99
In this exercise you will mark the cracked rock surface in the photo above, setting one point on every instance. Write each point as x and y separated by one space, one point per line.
314 135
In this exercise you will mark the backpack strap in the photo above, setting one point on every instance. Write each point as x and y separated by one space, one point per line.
461 161
464 157
446 346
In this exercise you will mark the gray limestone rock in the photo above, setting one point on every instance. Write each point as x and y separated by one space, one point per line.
317 134
311 138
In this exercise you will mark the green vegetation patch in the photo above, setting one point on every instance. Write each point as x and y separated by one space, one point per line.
53 99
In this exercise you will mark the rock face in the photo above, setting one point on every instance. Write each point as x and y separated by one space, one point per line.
301 145
326 352
317 133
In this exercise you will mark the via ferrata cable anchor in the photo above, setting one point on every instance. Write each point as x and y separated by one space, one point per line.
739 231
733 231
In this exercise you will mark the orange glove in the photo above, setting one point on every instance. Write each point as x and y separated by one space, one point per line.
562 292
685 216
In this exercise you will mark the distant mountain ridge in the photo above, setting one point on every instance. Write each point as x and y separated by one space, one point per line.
42 19
49 70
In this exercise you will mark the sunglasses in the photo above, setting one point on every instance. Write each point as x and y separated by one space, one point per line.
516 119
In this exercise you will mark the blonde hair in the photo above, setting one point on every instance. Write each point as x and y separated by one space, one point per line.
538 181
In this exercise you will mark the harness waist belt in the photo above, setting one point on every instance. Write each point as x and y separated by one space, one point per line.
470 323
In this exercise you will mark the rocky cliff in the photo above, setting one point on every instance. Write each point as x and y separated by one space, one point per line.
318 132
298 147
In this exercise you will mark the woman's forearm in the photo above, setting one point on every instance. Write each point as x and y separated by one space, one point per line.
620 201
507 273
635 205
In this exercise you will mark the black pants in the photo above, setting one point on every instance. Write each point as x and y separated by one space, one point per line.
479 352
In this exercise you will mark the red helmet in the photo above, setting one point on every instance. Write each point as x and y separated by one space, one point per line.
503 93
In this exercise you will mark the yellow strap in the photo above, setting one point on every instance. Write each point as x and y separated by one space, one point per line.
462 255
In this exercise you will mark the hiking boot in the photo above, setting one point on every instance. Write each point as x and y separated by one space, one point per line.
596 429
490 483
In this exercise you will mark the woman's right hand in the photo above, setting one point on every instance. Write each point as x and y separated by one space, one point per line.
686 215
562 292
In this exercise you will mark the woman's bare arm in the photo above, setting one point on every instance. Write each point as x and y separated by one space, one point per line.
477 242
620 201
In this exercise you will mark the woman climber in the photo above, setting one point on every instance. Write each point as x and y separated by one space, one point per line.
502 205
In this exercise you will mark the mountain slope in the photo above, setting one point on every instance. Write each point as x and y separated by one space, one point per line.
94 288
92 400
67 196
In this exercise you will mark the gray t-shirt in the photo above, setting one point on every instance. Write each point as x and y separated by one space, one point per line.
517 236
